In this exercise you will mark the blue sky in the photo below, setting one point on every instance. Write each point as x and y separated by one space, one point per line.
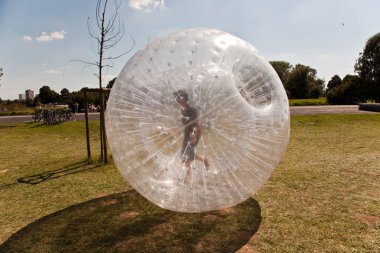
39 37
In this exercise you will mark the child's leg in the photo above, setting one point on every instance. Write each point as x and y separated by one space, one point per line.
203 159
188 171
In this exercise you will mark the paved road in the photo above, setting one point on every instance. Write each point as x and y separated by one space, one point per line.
28 118
327 109
294 110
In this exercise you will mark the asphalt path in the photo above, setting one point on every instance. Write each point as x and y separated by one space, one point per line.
294 110
28 118
327 109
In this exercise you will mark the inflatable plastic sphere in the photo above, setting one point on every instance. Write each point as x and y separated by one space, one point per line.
197 120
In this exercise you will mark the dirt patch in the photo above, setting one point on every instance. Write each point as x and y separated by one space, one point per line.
129 215
226 211
210 219
247 249
101 195
256 236
112 202
368 219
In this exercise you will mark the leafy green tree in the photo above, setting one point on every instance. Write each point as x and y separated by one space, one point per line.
47 95
347 92
317 88
37 101
334 82
283 70
65 94
354 93
303 82
368 68
78 97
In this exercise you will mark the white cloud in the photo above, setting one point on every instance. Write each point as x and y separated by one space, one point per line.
27 38
56 35
52 71
146 5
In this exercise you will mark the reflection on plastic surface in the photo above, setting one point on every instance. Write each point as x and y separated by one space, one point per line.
197 121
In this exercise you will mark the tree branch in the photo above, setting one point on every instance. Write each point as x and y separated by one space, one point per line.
108 32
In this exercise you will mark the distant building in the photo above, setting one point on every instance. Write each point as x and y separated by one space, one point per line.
29 94
21 97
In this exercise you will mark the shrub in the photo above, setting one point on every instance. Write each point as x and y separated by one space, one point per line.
350 91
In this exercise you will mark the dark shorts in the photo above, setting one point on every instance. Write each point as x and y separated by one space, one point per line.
188 150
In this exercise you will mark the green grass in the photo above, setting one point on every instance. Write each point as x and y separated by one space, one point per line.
323 197
310 101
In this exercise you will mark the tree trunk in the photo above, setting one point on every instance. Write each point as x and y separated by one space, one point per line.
103 129
87 127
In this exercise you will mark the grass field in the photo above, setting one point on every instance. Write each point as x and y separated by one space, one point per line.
15 109
323 197
310 101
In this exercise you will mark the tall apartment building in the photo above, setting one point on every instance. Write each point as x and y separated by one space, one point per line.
29 94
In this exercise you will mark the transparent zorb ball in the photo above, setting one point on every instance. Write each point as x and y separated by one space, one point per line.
197 121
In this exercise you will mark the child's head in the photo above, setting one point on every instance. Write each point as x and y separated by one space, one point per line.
181 97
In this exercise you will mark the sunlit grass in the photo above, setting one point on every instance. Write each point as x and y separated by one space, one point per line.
310 101
324 196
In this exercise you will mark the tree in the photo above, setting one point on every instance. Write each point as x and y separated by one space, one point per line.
334 82
347 92
65 94
283 70
317 88
368 68
47 95
107 34
303 82
78 97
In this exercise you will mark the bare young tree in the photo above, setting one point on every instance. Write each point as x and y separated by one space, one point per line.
108 33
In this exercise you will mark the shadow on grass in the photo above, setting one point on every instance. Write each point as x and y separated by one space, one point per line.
126 222
53 174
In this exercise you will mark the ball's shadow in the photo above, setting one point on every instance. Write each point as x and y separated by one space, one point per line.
126 222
